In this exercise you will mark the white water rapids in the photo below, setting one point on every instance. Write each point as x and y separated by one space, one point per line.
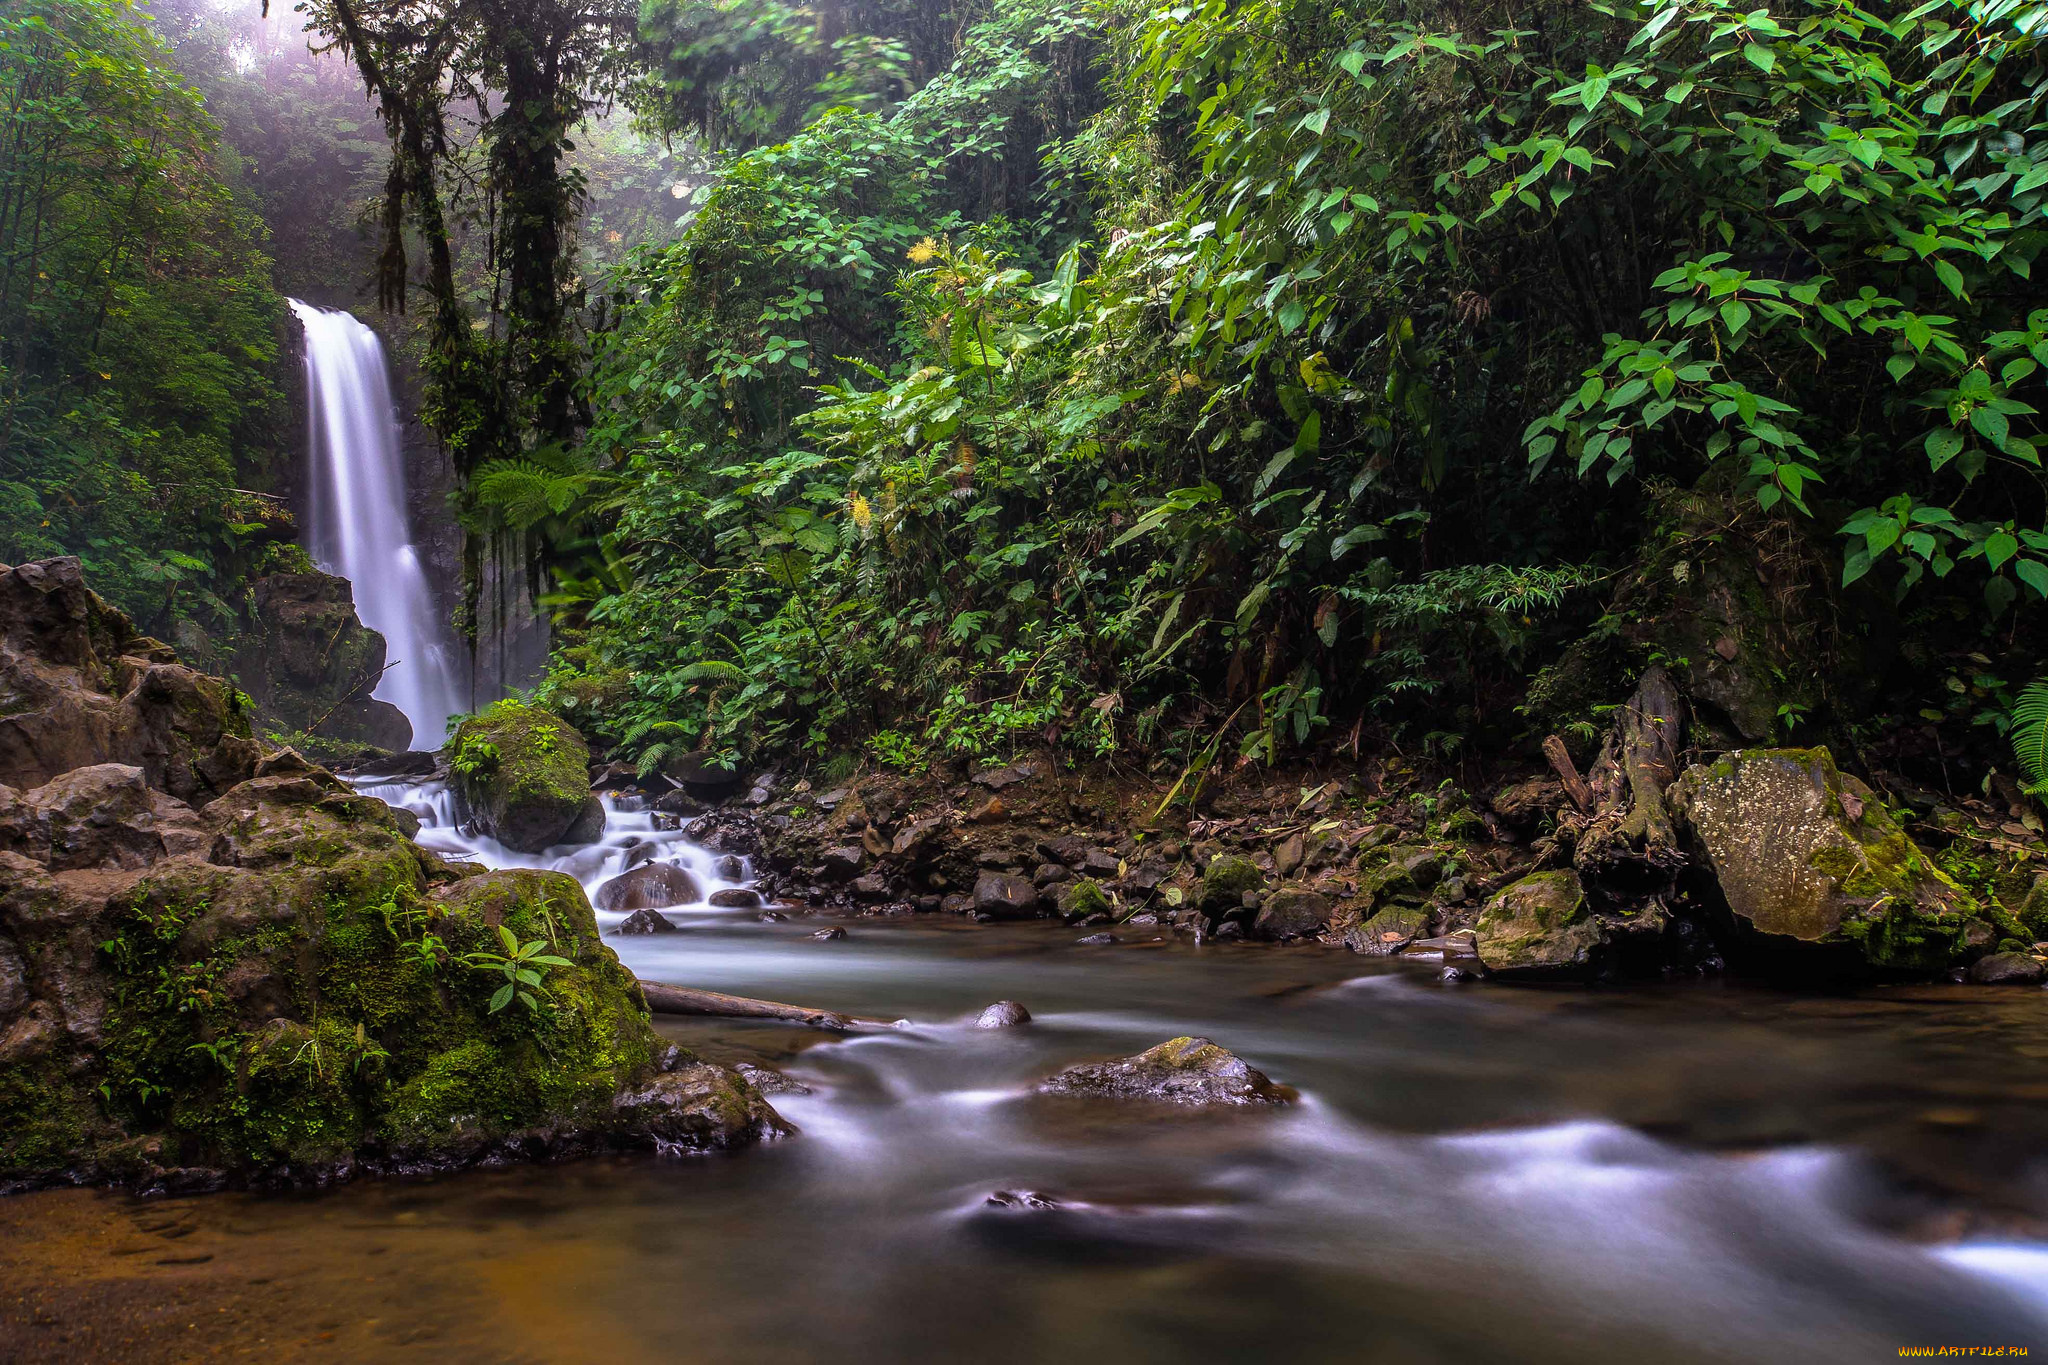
359 526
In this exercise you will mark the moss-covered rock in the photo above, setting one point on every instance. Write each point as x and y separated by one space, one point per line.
1806 856
1226 882
278 985
1387 930
522 776
1539 926
1080 899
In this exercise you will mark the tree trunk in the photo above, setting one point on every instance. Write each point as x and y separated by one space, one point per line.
1629 846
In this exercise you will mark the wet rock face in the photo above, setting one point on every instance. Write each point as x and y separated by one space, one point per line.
1226 883
1184 1071
170 966
311 660
1806 856
79 686
522 776
650 886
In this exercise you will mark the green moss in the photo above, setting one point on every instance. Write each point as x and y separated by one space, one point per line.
1084 898
1225 883
523 772
289 1019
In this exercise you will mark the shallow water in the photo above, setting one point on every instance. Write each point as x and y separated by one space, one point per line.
1696 1172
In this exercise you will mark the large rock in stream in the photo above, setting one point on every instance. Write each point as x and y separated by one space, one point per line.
522 776
219 964
1184 1071
1808 860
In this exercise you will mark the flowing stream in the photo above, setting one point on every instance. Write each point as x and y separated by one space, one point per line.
359 525
1681 1172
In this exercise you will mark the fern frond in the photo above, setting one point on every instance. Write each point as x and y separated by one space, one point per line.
715 670
2029 733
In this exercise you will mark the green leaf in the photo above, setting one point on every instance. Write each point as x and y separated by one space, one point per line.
502 998
1991 424
1942 445
2034 574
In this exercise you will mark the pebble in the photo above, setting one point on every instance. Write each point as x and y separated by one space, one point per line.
827 935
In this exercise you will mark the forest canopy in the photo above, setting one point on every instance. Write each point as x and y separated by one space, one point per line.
139 330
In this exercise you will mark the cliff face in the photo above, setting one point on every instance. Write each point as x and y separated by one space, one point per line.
310 664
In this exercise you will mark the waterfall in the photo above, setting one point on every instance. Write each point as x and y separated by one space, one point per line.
359 526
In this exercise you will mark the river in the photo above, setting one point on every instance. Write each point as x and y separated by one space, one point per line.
1698 1171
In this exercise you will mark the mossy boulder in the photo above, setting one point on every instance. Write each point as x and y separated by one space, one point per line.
1192 1072
1080 899
1539 926
274 984
522 776
1225 884
1807 858
313 995
1387 931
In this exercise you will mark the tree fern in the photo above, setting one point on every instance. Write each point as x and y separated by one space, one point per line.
2029 735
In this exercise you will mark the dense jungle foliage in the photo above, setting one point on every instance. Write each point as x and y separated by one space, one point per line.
1226 377
1176 382
140 392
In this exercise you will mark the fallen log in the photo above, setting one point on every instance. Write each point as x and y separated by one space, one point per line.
715 1004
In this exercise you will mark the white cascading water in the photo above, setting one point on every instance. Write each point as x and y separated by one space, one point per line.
360 529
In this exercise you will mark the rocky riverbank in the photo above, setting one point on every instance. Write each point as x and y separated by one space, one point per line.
1660 861
219 965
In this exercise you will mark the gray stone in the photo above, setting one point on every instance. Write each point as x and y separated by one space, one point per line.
2007 969
646 922
1292 912
1003 1014
1003 896
842 862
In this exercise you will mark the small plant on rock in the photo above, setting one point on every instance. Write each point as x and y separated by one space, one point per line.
522 966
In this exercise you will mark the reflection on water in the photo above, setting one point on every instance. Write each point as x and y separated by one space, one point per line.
1680 1173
